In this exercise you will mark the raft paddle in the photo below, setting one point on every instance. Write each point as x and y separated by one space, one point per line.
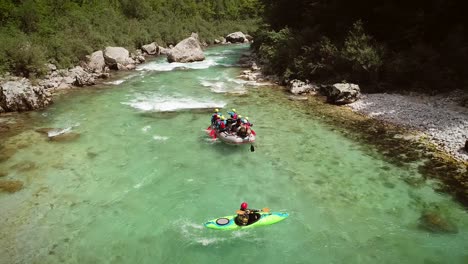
252 148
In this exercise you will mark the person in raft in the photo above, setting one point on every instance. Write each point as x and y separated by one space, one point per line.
215 116
222 124
237 124
233 114
244 214
247 122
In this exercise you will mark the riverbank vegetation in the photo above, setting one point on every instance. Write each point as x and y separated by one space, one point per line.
63 32
382 45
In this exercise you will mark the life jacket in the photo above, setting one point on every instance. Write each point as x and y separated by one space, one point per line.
243 219
242 132
213 118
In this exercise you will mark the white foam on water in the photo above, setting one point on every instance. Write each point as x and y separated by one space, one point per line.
116 82
146 128
209 241
193 233
124 79
155 103
56 132
224 85
166 66
250 83
160 138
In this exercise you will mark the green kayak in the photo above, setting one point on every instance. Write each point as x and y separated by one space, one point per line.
259 219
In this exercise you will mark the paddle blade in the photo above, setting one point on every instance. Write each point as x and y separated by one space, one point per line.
252 148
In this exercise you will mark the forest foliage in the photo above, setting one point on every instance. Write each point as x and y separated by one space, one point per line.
63 32
382 45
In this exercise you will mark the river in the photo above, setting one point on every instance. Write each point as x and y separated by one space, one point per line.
138 178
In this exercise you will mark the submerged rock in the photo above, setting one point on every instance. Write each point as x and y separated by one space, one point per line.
3 174
466 145
11 186
65 137
4 128
435 223
188 50
44 130
7 153
59 135
24 166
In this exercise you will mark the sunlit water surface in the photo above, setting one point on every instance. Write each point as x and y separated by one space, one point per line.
142 177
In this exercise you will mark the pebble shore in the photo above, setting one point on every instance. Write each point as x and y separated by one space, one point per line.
440 117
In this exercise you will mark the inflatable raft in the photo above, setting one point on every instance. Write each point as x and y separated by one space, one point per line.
260 219
231 138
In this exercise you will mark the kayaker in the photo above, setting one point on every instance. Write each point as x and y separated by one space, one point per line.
243 214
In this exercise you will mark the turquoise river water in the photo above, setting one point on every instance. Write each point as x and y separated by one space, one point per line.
138 183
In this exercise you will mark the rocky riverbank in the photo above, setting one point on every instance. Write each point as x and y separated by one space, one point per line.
441 117
20 94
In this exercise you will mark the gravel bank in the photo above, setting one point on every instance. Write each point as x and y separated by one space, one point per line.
440 117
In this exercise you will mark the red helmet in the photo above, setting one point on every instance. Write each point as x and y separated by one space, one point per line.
243 206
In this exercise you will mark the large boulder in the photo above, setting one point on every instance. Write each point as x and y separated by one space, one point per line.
236 37
164 51
299 87
341 93
151 49
96 62
20 95
117 55
79 77
188 50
